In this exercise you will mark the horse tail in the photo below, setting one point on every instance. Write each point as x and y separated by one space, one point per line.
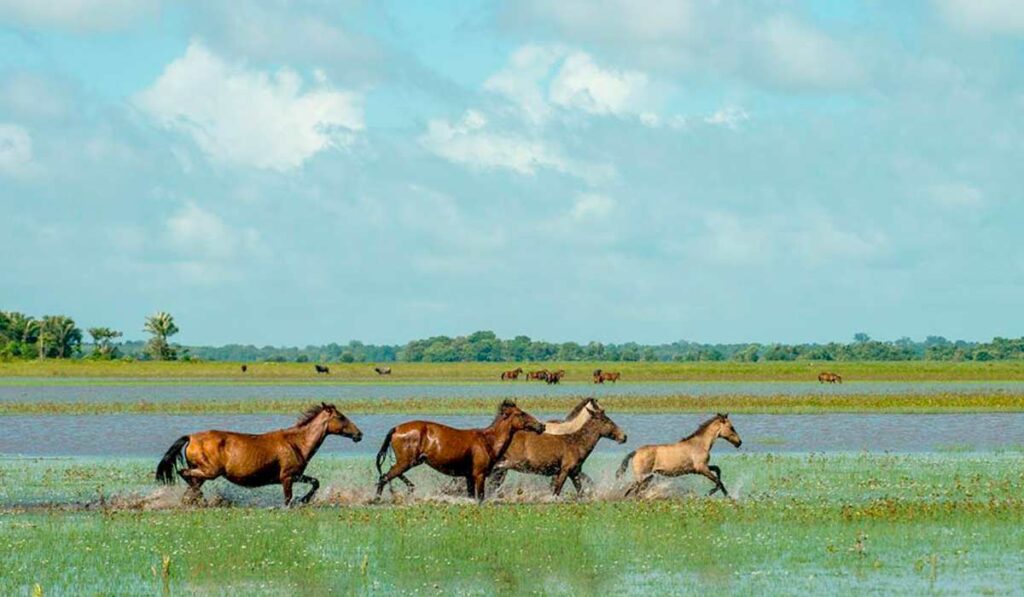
625 463
383 452
174 455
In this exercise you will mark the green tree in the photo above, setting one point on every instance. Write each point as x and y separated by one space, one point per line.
59 337
160 326
102 342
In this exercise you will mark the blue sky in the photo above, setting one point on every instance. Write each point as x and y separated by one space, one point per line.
293 173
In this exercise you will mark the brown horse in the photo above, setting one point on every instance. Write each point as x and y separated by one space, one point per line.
322 369
541 375
826 377
245 368
556 376
603 376
382 370
560 456
255 460
469 453
513 374
689 455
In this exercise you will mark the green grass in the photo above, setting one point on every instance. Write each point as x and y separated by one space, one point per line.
946 402
847 523
475 372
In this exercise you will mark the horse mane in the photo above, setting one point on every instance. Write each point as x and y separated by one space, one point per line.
310 413
576 409
703 426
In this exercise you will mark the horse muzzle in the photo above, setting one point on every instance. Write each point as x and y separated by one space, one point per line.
357 437
622 438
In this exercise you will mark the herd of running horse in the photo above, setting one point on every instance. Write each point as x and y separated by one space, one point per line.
514 441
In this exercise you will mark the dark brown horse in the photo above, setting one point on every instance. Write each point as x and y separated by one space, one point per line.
603 376
468 453
382 370
558 456
826 377
253 460
539 375
245 368
513 374
322 369
556 376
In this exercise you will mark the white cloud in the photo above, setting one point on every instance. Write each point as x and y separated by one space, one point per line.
730 117
955 195
15 150
540 78
615 20
202 234
581 84
800 56
984 16
472 143
592 206
250 118
77 15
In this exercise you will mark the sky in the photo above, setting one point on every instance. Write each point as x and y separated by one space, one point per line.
296 173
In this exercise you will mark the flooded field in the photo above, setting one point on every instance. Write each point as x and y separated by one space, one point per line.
150 435
111 390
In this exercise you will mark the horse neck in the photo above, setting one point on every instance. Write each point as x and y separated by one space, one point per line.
310 437
587 437
707 437
498 436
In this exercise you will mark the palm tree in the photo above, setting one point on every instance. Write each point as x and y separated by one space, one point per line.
101 338
58 337
161 326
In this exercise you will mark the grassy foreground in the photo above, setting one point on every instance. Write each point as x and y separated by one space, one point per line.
949 402
476 372
839 524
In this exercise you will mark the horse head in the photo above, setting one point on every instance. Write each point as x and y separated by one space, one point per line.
727 432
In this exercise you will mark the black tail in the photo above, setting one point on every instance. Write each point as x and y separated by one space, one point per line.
383 452
174 455
625 463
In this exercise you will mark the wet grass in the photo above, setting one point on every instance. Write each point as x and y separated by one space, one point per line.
940 402
939 523
490 372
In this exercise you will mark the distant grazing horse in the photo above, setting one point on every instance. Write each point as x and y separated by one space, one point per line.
382 370
558 456
468 453
689 455
255 460
245 368
603 376
322 369
556 376
539 375
513 374
826 377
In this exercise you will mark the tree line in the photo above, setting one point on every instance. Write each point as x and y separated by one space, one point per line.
59 337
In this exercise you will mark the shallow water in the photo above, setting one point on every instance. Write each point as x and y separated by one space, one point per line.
150 435
72 390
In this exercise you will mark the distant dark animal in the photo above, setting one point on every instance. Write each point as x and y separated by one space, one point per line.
513 374
558 456
322 369
603 376
541 374
826 377
255 460
467 453
556 376
245 368
688 456
382 370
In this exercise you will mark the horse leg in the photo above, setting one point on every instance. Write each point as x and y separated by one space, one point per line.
286 487
556 485
714 479
306 479
397 470
195 479
408 483
479 483
638 486
718 480
470 487
579 479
